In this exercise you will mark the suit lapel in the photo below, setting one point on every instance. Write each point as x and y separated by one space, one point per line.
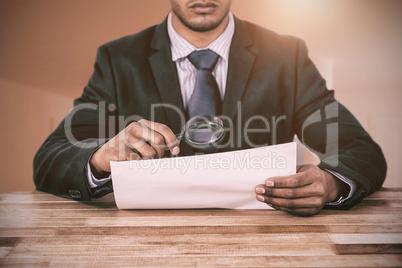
165 74
241 61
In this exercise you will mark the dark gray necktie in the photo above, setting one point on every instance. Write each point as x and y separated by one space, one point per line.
205 99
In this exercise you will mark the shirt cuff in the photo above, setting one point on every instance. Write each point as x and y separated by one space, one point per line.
94 182
349 182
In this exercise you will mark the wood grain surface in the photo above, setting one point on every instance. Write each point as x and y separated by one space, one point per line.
41 230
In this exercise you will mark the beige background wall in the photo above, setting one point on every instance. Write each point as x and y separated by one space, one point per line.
47 50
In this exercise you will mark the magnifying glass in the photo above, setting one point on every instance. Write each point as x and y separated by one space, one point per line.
202 131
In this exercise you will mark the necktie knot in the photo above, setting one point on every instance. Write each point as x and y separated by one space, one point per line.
204 59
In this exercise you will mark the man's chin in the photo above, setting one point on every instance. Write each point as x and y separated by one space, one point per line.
204 24
203 28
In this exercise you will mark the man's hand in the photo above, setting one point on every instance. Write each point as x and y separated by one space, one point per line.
304 193
139 140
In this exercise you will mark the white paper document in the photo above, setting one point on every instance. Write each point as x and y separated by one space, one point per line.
220 180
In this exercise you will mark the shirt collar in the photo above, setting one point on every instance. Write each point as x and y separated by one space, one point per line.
181 48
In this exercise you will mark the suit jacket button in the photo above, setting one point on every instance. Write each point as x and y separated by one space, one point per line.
76 194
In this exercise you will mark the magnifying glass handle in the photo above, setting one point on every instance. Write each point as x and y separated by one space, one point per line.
179 136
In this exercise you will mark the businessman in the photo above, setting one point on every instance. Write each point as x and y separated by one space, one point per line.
203 60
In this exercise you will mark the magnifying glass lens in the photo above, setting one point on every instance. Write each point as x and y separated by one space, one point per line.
204 131
204 134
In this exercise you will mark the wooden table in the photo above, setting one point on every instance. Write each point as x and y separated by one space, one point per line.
38 229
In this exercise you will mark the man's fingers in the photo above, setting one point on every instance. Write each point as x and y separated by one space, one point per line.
296 180
291 193
170 140
139 140
156 142
144 138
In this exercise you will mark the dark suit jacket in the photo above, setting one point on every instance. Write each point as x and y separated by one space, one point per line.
269 75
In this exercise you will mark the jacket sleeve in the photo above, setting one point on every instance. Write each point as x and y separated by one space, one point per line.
331 131
60 163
